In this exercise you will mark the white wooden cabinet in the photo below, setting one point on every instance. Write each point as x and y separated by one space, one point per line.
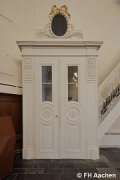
60 108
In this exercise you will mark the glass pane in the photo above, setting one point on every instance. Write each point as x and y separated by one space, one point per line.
46 74
47 92
72 92
72 74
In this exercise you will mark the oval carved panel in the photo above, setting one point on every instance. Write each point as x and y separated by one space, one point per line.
46 113
73 113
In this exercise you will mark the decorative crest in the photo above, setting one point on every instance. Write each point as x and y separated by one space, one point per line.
49 31
55 10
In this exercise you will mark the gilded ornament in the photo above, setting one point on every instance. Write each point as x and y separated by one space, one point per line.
55 9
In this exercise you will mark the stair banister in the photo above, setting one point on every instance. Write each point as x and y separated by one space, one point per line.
109 93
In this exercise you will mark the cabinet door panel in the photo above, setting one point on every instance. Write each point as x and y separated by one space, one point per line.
73 139
46 108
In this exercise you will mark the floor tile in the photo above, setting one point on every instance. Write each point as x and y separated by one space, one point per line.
38 177
96 160
26 160
73 177
66 169
103 152
108 149
113 158
116 178
78 170
72 170
35 171
56 161
68 177
74 160
23 165
19 171
45 160
10 177
103 158
17 157
107 170
40 165
113 164
99 164
83 165
118 169
61 165
53 171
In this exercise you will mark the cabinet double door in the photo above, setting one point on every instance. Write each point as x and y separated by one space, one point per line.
59 113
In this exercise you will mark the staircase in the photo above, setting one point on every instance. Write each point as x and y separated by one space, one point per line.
109 101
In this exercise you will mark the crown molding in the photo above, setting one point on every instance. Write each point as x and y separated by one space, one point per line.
59 43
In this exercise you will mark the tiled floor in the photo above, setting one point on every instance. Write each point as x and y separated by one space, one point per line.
67 169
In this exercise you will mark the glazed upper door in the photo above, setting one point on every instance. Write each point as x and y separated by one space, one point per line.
46 108
59 123
72 123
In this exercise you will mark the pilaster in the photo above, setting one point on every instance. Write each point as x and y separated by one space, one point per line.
92 107
28 107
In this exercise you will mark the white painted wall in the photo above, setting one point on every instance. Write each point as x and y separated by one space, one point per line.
11 29
98 20
110 140
115 127
112 137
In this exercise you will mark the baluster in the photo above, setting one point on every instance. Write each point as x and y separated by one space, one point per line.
107 101
110 98
109 91
118 89
113 93
103 106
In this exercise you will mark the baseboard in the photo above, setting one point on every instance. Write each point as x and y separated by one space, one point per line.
28 153
110 140
109 146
